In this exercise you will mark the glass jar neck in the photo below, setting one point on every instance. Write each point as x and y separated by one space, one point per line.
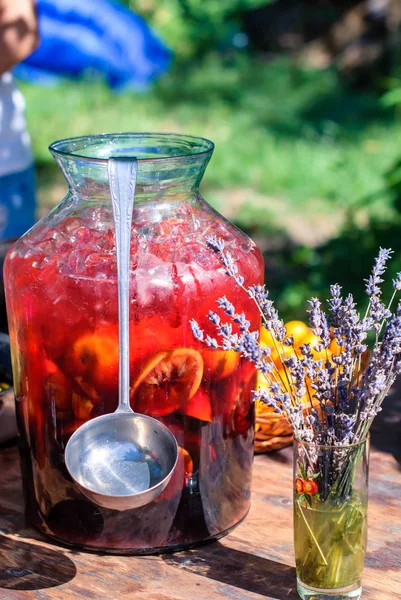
168 164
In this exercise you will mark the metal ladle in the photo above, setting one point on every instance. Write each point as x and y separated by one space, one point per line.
122 460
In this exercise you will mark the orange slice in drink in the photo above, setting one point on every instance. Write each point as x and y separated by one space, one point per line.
88 389
82 406
243 418
181 475
185 457
94 356
219 364
167 381
198 406
58 386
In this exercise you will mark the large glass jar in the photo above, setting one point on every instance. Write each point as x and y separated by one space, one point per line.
61 294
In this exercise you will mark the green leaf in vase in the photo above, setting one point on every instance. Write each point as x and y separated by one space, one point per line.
303 472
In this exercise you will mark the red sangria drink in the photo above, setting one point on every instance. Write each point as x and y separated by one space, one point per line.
61 292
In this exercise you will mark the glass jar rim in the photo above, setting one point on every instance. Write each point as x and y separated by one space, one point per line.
334 447
200 147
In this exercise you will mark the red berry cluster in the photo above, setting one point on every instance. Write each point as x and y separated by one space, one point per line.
306 486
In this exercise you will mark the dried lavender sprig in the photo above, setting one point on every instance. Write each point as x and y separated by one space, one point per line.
258 293
379 268
248 345
335 302
376 308
252 350
218 245
379 376
396 285
319 324
270 316
396 288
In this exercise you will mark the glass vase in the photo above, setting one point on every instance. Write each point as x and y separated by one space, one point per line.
330 519
61 291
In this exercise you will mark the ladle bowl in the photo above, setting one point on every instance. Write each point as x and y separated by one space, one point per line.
122 460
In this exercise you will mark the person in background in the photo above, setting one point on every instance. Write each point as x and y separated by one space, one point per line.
18 39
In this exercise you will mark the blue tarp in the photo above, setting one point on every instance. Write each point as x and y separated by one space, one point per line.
94 37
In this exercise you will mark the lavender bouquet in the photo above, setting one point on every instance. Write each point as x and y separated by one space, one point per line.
343 391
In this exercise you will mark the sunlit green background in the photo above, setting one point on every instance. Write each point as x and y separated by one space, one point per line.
306 161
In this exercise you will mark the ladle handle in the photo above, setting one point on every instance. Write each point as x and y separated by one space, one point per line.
122 182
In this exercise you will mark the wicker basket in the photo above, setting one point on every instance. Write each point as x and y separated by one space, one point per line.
272 431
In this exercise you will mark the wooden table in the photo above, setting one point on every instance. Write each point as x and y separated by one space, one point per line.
254 562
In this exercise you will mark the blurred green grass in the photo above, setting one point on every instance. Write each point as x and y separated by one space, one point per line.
294 136
301 161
